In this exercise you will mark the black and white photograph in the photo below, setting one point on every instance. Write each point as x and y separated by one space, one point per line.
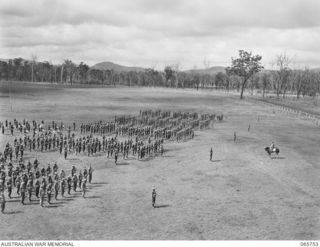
159 120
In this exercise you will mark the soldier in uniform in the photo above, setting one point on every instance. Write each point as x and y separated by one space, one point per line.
84 187
42 193
80 177
211 154
85 173
73 170
90 171
37 187
69 183
115 157
23 191
65 152
43 172
154 195
55 167
9 187
56 189
62 186
62 174
29 188
35 164
49 191
74 181
18 183
48 170
21 151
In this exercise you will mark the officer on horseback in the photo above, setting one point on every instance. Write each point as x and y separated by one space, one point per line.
272 147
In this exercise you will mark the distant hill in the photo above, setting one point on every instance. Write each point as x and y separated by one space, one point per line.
211 70
115 67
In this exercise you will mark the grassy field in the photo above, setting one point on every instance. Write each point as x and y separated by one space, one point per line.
242 194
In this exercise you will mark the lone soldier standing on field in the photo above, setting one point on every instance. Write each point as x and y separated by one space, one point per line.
154 195
234 137
211 154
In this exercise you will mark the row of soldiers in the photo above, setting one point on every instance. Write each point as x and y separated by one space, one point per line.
23 127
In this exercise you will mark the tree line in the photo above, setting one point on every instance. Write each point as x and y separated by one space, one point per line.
245 71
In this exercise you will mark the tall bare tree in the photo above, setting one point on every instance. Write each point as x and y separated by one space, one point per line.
283 71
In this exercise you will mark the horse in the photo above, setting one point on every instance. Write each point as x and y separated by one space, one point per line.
276 150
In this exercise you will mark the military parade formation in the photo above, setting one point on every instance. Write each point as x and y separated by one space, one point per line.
141 136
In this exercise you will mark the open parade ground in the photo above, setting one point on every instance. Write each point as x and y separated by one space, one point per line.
242 193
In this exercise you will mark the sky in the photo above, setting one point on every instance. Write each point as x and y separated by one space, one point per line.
156 33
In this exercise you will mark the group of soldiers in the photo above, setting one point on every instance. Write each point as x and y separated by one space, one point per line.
141 136
30 181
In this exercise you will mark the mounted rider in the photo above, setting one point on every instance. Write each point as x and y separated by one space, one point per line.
272 147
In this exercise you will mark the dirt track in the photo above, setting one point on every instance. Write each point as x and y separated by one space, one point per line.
242 194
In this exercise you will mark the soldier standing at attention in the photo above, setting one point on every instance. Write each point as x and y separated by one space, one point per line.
90 173
23 192
9 187
62 186
115 157
80 177
211 154
84 187
75 181
37 187
62 174
69 181
29 188
65 152
56 189
42 193
154 195
18 183
49 191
